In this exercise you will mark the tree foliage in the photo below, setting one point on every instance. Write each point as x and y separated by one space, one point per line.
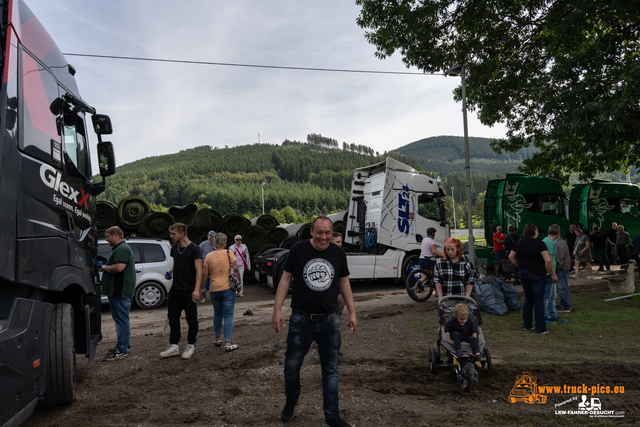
564 77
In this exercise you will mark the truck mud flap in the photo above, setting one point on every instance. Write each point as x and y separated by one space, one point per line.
23 356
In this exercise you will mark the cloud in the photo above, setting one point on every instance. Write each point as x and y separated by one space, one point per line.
161 108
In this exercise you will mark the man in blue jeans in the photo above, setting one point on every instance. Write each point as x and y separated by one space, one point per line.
563 266
118 283
550 294
319 271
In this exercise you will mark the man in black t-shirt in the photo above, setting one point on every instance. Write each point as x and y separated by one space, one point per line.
599 245
612 236
185 290
319 271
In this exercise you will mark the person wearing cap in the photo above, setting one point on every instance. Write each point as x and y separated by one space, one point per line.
242 257
207 247
510 240
428 253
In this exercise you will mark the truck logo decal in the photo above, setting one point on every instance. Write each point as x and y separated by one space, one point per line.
318 274
599 206
403 210
52 178
514 207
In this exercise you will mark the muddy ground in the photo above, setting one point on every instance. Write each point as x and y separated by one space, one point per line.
384 374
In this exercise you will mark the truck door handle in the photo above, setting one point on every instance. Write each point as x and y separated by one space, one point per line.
138 271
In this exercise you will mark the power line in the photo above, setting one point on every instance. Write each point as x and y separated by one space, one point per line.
228 64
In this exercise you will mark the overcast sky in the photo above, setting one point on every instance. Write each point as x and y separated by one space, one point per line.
161 108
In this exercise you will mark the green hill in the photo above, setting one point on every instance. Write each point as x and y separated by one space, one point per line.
445 154
310 177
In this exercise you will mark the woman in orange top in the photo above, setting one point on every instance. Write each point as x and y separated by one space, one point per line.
223 298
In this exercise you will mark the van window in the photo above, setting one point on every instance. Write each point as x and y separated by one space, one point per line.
104 250
152 253
137 256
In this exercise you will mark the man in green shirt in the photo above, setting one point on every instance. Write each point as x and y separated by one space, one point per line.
118 283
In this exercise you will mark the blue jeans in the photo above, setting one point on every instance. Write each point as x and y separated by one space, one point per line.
456 337
614 252
119 308
223 305
563 288
534 287
326 333
550 296
601 254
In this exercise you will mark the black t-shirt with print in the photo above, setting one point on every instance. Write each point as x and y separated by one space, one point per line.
315 276
184 268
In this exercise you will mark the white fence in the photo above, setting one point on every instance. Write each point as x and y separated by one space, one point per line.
464 232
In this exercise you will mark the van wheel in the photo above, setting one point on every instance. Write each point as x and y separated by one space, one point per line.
61 367
149 295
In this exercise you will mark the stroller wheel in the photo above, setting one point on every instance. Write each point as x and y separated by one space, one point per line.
467 376
433 362
487 357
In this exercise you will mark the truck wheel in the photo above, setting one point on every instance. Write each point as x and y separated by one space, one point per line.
149 295
61 367
409 264
420 291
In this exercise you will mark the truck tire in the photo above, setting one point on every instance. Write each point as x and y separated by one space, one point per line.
409 264
61 367
149 295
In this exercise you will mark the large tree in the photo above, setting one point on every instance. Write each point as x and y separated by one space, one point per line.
563 76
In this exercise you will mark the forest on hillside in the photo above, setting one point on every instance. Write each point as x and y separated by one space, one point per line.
312 177
445 154
306 178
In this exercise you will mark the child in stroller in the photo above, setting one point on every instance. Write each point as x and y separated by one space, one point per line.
462 362
461 328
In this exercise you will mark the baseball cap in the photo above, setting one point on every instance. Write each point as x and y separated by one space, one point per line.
211 234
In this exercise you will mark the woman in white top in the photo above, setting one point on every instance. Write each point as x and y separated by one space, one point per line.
242 259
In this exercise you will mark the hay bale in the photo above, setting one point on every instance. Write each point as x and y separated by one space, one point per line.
156 224
254 237
276 236
132 211
106 214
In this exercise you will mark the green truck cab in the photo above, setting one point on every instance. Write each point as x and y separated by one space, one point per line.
519 199
603 202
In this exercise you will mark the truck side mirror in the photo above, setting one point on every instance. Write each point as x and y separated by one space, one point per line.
419 238
106 158
102 124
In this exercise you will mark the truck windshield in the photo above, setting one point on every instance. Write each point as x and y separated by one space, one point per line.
629 207
547 204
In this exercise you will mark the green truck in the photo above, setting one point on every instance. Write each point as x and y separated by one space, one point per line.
519 199
603 202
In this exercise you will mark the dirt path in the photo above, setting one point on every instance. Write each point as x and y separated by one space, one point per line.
384 377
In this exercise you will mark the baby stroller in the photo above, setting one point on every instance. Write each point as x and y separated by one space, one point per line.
464 366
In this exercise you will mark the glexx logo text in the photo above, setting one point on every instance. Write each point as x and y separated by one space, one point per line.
53 179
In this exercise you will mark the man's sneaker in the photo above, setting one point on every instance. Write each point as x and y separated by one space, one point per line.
529 329
546 331
188 352
173 350
549 322
287 413
562 320
563 310
115 355
336 422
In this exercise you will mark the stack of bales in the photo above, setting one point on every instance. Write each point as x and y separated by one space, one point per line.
136 218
